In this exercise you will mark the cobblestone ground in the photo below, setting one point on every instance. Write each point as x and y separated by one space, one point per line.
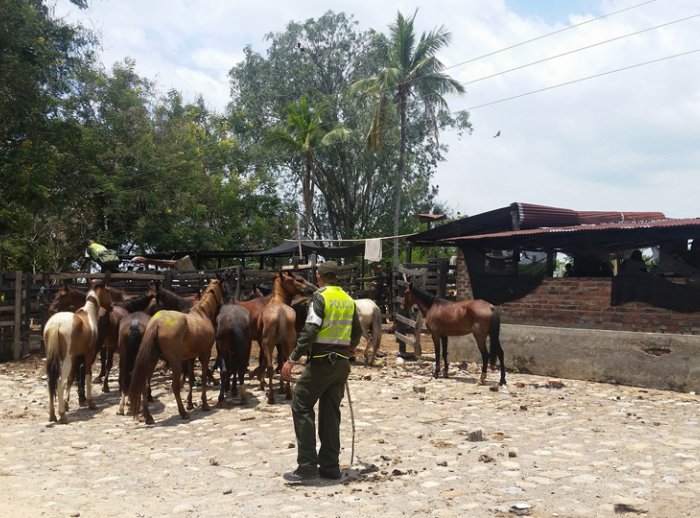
569 449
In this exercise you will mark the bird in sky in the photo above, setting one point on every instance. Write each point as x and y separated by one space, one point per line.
497 134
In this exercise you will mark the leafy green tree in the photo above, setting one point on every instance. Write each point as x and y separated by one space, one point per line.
293 113
42 62
412 69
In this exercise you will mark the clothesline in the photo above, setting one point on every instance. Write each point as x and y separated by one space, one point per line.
347 240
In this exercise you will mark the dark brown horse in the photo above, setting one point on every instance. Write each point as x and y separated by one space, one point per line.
131 330
445 318
178 337
233 343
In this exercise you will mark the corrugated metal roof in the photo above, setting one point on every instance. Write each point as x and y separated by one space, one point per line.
692 223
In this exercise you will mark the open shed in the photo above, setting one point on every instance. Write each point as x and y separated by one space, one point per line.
598 322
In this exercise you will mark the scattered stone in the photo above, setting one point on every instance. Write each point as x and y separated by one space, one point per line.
521 509
557 384
397 472
523 407
475 435
247 418
442 463
228 491
626 508
367 377
512 454
213 462
520 384
291 445
493 388
419 389
485 458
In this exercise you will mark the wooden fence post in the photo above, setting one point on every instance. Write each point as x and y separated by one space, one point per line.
17 339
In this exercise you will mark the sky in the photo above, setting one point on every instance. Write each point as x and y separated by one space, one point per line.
592 128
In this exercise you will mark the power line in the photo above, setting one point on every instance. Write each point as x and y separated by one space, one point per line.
580 49
579 80
547 35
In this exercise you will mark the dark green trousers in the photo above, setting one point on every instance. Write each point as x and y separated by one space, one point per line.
323 383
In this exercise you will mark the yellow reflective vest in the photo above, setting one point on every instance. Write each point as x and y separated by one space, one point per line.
339 309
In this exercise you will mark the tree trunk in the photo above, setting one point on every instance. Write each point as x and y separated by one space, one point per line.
400 175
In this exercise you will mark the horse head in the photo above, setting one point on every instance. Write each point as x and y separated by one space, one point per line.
409 297
104 296
66 299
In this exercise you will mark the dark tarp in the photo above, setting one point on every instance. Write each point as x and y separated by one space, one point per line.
657 291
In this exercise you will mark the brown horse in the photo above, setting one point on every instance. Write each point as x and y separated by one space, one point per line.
68 336
445 318
177 337
278 322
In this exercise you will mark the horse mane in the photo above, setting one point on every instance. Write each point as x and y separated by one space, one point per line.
136 304
171 299
204 304
423 296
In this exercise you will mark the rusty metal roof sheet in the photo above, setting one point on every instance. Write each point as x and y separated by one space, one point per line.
522 216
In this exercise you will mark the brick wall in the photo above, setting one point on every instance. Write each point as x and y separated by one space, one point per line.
584 302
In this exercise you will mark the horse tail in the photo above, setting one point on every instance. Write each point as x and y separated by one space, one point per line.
133 342
146 358
52 342
494 335
376 331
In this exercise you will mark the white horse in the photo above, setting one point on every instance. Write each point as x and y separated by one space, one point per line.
69 335
371 319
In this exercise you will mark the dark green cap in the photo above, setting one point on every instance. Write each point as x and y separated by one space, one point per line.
328 267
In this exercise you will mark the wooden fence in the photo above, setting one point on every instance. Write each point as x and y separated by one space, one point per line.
25 298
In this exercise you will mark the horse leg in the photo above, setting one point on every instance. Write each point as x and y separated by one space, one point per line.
108 368
444 353
223 384
204 360
175 384
103 364
66 365
89 359
481 344
436 344
190 375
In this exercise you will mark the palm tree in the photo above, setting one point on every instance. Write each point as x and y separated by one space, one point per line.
303 132
412 70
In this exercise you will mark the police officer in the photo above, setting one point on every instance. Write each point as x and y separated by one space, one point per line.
107 259
332 327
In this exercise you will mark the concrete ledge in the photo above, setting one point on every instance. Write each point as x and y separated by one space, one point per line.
652 360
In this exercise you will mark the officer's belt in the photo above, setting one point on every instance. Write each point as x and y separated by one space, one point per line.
323 350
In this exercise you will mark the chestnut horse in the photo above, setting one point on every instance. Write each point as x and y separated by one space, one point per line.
445 318
278 321
68 336
177 337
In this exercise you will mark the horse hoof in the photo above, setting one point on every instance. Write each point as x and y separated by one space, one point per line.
98 379
190 406
446 374
52 418
205 407
63 419
105 390
185 415
92 406
120 411
149 420
436 374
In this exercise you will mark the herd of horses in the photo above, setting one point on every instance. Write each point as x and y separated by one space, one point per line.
161 325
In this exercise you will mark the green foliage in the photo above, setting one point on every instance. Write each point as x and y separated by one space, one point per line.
89 153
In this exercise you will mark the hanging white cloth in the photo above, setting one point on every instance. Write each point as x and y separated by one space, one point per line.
373 249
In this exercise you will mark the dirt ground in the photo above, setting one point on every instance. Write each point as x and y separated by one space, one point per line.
422 447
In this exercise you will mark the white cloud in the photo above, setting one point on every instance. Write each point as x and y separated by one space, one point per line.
622 141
